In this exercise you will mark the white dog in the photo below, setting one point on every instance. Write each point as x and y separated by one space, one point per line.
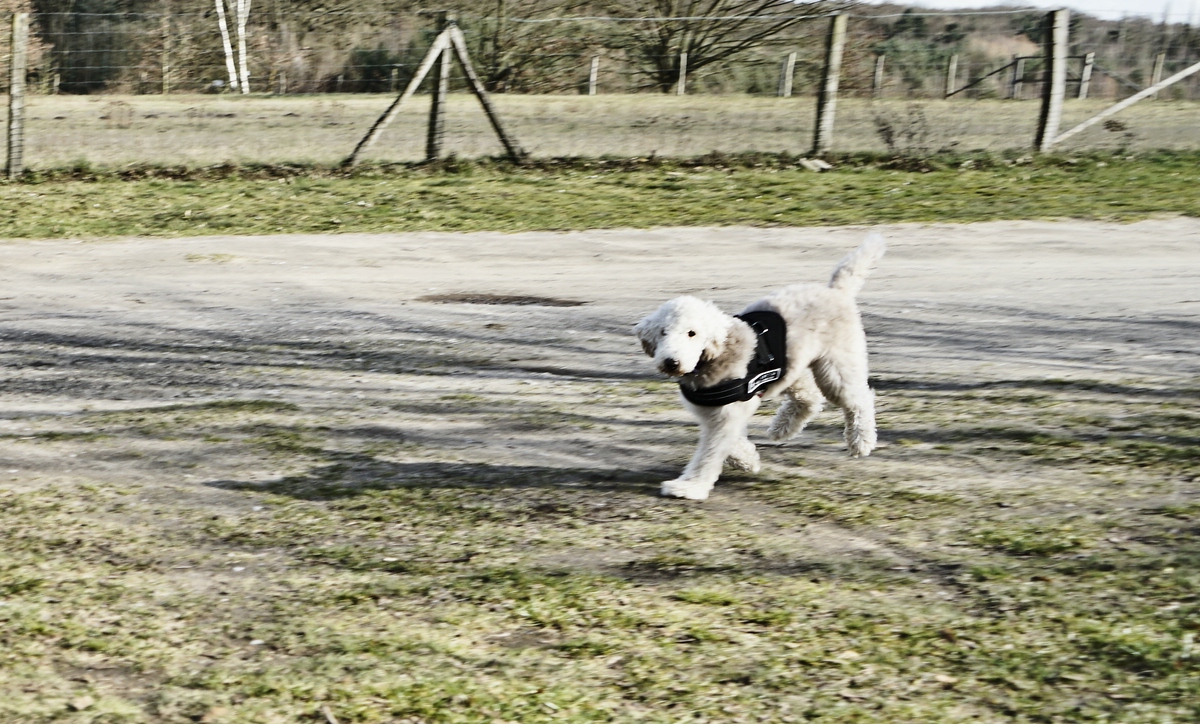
804 342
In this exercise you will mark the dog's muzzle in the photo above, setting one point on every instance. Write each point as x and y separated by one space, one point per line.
670 366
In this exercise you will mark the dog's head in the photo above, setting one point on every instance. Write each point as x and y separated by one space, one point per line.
684 333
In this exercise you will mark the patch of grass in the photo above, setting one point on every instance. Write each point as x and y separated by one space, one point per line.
1027 540
419 583
706 597
719 190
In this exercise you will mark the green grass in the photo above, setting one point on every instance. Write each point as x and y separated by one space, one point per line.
580 194
471 595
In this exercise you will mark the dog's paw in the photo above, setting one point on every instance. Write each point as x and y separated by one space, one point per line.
780 431
750 466
860 448
689 489
860 445
747 459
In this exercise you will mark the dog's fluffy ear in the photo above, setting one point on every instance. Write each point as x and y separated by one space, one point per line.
647 333
717 343
726 354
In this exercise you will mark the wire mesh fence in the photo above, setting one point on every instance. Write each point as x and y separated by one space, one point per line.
163 88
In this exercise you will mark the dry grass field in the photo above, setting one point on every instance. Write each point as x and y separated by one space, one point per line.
296 479
207 129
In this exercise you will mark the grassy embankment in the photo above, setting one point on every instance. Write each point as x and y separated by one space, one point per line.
582 194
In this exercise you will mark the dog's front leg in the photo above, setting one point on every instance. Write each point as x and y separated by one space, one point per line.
722 433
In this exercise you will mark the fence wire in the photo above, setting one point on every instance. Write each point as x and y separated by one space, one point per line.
154 88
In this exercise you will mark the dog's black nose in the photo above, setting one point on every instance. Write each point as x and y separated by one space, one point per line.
670 365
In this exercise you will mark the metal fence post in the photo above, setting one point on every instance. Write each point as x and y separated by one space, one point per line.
951 75
1054 85
593 75
787 74
681 86
441 88
16 94
827 99
877 78
1085 75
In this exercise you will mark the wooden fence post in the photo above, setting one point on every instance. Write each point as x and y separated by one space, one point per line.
1157 71
1018 75
593 75
166 53
441 89
787 74
877 79
16 94
1054 85
827 99
951 75
283 86
681 86
1085 75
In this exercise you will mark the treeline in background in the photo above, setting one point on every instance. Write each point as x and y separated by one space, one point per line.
550 46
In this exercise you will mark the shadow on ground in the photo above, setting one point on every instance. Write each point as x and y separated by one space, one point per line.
352 474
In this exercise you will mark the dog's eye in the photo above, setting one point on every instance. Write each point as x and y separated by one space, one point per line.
664 333
691 334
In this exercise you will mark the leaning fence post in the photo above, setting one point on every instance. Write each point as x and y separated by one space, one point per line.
1018 75
681 86
1054 85
16 94
440 43
441 88
593 74
877 79
827 98
787 73
459 43
1157 71
1085 75
951 75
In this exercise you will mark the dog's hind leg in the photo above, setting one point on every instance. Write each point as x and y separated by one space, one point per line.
844 382
722 432
801 403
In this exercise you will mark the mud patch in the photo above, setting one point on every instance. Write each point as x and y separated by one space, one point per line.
515 300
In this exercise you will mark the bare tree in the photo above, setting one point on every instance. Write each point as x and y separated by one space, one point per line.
243 16
709 31
229 60
239 72
513 55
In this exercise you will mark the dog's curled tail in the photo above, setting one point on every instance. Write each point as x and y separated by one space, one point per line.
851 272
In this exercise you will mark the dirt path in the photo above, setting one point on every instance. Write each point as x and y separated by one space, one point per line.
337 321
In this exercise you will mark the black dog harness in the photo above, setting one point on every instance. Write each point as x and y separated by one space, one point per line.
767 365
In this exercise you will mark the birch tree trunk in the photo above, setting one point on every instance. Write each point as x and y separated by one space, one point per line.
233 76
243 15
